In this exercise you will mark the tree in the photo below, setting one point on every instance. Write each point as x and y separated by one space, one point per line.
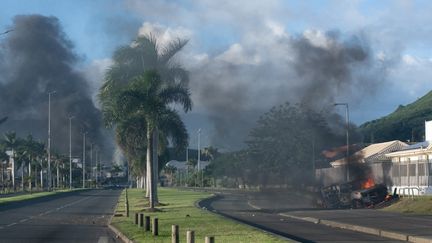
3 158
11 142
148 99
143 55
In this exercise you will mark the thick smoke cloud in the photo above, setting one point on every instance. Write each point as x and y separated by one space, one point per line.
315 68
36 58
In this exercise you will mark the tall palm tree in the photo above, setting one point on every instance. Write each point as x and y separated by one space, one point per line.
143 55
3 158
11 142
148 99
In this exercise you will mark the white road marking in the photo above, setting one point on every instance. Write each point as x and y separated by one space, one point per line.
103 239
57 209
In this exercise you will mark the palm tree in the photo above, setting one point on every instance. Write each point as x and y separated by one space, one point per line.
3 158
147 99
133 60
11 142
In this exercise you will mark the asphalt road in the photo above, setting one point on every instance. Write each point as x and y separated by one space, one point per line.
237 206
80 216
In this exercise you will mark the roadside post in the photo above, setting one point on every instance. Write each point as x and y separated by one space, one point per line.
155 227
147 223
141 220
190 236
175 234
209 239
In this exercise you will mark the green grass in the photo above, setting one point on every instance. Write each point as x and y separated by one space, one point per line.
418 205
178 204
31 196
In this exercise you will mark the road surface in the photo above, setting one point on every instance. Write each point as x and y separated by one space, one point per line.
80 216
238 207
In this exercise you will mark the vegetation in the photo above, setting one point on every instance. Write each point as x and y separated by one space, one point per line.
405 123
137 97
280 150
417 205
179 209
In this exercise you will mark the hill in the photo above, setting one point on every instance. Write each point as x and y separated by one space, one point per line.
405 123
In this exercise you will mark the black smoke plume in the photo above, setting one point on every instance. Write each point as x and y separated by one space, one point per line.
315 72
36 58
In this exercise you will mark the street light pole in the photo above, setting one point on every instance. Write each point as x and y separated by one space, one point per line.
70 152
91 161
199 154
49 139
84 155
347 136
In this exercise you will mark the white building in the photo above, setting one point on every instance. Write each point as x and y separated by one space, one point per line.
412 166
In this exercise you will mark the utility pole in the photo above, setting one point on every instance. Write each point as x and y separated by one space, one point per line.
347 137
84 155
70 152
91 161
49 140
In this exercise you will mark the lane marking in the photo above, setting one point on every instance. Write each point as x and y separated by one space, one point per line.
51 210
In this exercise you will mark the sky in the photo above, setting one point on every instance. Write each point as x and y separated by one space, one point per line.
251 44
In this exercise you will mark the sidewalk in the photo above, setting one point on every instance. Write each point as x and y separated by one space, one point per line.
413 228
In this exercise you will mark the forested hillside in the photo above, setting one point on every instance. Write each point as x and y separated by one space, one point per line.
405 123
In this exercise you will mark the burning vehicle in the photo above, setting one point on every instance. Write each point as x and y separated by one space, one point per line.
355 194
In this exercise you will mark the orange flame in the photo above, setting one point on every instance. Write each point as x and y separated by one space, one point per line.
368 183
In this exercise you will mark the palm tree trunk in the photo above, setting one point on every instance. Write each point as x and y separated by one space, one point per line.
35 178
147 187
150 170
29 175
13 170
155 163
41 178
22 176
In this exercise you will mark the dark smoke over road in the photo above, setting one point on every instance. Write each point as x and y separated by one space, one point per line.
316 69
36 58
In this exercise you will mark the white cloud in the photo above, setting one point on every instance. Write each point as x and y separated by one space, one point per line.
163 33
237 55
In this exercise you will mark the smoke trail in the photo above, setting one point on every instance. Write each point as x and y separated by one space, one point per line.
36 58
316 69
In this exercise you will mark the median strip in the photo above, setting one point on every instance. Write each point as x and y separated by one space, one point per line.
179 209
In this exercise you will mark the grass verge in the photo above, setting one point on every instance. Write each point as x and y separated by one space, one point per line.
29 196
417 205
179 209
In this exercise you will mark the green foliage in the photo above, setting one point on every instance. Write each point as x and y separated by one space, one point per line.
280 148
405 123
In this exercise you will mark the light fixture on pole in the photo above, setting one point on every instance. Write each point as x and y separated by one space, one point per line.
347 136
49 139
70 152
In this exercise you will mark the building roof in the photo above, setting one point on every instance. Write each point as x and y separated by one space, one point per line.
373 153
418 148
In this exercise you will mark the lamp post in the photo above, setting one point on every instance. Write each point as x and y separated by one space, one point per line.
97 172
49 139
347 136
199 154
91 161
70 152
84 155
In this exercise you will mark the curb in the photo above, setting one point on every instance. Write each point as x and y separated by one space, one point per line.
233 219
117 232
362 229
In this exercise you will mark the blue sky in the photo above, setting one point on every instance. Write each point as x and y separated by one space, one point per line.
252 33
